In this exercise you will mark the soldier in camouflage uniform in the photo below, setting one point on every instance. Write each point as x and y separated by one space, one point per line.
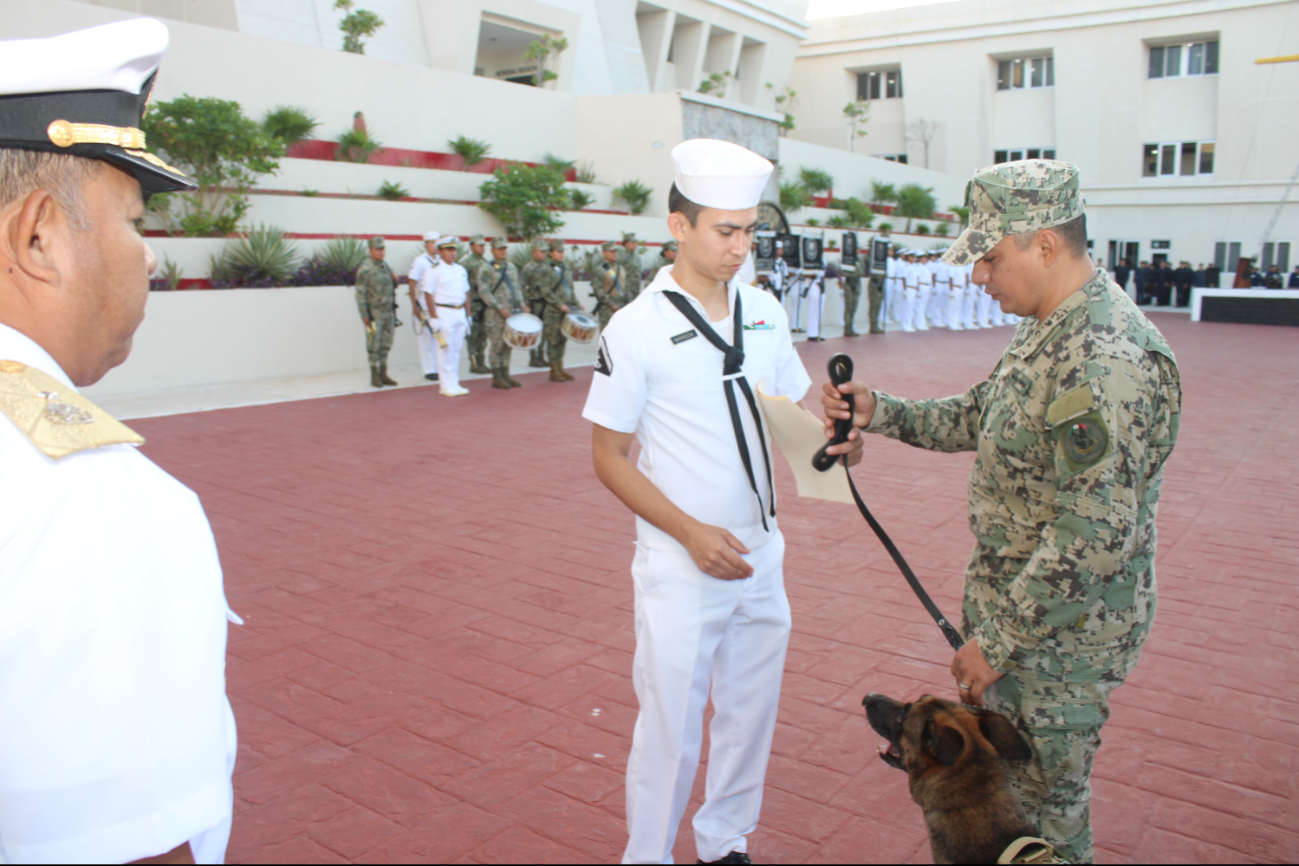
1071 432
608 284
666 256
498 286
477 338
850 286
533 275
559 298
629 258
376 299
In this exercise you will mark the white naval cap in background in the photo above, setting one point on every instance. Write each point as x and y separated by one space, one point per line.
719 174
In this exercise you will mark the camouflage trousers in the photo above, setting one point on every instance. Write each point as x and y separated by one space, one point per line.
378 343
604 313
1062 722
498 353
851 288
553 336
477 339
875 293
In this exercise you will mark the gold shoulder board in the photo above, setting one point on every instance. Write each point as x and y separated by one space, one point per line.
58 420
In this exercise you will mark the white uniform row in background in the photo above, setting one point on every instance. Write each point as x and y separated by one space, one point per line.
921 292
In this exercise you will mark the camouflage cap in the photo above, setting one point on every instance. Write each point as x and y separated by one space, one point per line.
556 246
538 246
477 239
670 245
1012 198
500 243
376 243
628 236
609 245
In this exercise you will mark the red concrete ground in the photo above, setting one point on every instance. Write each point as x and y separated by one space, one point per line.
436 660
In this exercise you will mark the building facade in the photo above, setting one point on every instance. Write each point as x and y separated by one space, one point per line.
1187 146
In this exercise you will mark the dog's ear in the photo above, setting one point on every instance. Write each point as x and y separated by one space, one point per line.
1008 742
945 742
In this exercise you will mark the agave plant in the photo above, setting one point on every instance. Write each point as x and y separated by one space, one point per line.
357 145
635 195
471 150
816 179
579 198
262 256
345 253
289 124
393 191
520 255
585 172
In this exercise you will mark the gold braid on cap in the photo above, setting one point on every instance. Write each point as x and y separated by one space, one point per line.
65 134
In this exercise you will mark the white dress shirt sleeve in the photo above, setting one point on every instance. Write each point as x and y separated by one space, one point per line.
619 388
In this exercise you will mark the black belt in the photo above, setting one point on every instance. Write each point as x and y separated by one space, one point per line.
840 367
731 371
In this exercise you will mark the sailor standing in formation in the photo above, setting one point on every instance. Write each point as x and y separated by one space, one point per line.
419 284
447 296
118 742
710 606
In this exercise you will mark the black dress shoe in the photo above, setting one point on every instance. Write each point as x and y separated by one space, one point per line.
432 377
733 857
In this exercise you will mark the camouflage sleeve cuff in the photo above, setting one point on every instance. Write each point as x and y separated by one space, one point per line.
879 420
997 652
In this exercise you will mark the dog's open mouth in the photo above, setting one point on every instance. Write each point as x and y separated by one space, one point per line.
890 754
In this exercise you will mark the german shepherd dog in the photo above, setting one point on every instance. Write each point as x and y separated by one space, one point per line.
955 758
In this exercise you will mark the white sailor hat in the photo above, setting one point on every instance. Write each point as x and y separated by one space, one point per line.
719 174
432 236
84 93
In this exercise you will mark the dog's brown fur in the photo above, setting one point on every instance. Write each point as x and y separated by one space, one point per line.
955 757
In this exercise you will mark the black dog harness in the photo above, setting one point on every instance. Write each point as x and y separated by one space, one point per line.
731 375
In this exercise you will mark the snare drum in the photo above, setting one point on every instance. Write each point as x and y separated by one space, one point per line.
523 331
579 327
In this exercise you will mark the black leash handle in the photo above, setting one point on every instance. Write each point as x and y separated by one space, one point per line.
840 368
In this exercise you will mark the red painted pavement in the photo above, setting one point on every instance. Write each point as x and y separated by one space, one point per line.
436 662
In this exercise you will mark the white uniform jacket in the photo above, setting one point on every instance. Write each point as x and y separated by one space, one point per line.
422 272
656 377
116 738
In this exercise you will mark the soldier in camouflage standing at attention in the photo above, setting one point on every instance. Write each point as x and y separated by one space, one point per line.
1071 433
850 286
667 255
559 298
629 258
477 339
533 275
607 284
376 299
498 286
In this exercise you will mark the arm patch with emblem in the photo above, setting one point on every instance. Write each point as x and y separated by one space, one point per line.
1079 428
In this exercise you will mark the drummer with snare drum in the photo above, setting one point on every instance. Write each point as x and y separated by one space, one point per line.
557 292
502 294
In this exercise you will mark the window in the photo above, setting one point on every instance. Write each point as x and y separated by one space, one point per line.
1194 58
884 84
893 157
1276 254
1000 156
1028 72
1226 255
1170 159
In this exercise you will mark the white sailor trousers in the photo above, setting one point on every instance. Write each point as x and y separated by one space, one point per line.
694 631
428 359
453 324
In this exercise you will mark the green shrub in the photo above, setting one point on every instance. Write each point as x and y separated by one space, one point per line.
167 278
392 191
262 257
347 254
357 145
579 198
859 213
289 124
941 229
922 229
813 221
471 150
585 172
962 213
213 142
356 24
915 202
839 221
310 193
883 193
794 196
886 227
563 166
519 197
635 195
816 179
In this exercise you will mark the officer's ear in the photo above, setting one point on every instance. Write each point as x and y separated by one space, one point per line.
30 232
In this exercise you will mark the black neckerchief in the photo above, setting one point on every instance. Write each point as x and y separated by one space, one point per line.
732 373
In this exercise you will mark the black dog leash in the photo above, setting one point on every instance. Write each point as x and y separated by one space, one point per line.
840 368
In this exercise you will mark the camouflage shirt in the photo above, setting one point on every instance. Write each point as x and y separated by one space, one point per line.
498 286
557 287
1071 432
533 275
608 284
473 262
631 265
375 289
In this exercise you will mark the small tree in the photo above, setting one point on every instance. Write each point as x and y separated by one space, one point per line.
883 193
922 131
785 103
520 197
816 179
213 142
859 213
856 114
356 24
916 202
545 53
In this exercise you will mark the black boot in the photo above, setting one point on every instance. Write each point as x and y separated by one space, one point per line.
375 381
384 378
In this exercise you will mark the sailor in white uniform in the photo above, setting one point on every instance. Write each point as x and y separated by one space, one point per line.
892 307
117 742
676 369
925 291
421 281
448 291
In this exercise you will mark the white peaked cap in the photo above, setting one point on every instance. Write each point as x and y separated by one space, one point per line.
117 56
432 236
719 174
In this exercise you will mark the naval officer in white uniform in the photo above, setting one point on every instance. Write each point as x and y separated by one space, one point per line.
420 278
448 291
116 739
677 369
